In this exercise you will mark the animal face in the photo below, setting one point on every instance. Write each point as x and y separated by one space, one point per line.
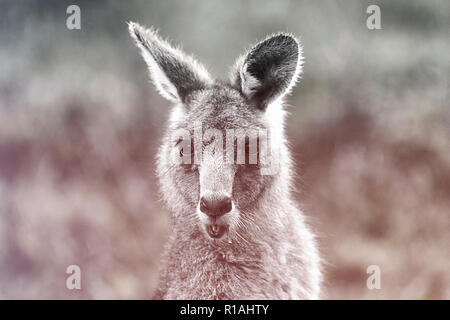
220 150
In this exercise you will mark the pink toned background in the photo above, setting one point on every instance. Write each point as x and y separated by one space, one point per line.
80 123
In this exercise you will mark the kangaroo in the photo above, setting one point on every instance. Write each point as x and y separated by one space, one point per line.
236 232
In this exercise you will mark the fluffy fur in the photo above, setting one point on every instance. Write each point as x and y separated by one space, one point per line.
268 251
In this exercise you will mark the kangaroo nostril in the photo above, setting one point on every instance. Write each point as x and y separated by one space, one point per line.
226 207
203 205
215 207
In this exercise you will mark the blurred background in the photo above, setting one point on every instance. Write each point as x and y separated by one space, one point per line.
80 124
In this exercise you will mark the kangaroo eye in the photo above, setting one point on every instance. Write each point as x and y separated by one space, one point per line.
183 152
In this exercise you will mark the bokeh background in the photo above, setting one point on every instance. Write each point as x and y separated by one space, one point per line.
80 124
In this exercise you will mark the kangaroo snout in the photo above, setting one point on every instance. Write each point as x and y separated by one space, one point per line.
215 207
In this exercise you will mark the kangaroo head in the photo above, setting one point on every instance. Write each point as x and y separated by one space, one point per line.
212 160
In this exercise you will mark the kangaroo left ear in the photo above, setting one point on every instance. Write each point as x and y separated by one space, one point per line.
269 70
174 73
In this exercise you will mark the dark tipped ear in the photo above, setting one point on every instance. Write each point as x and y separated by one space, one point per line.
269 70
174 73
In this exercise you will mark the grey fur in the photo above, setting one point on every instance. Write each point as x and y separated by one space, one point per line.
269 251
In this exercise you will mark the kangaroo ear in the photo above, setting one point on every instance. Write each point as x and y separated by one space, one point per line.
174 73
269 70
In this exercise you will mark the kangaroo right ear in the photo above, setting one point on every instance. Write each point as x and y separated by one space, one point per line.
269 70
174 73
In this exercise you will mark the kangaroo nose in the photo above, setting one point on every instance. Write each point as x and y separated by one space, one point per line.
215 207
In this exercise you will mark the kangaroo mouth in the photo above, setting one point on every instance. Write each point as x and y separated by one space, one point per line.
215 230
